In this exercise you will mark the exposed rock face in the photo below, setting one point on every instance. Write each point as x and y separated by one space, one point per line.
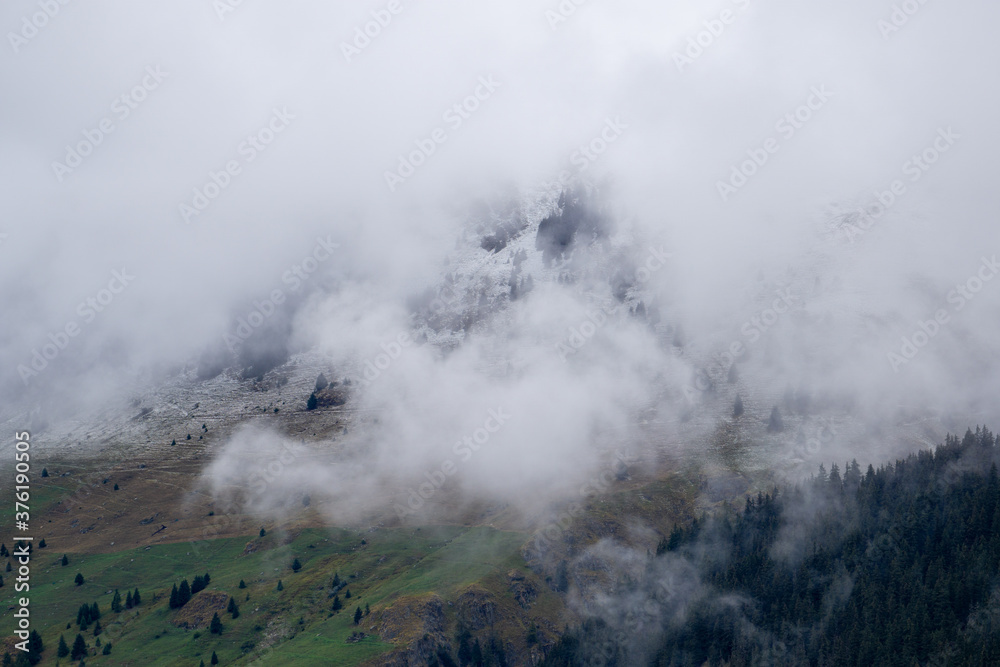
522 589
411 616
418 622
197 613
477 608
575 219
332 396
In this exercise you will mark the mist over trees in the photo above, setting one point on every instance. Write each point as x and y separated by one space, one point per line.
894 566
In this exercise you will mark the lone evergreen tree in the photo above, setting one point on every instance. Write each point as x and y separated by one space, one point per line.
775 424
136 598
63 650
243 584
79 579
130 601
357 615
65 561
281 586
337 606
173 597
477 653
79 651
116 602
35 647
215 658
183 593
262 531
562 577
216 625
312 402
296 565
107 650
45 472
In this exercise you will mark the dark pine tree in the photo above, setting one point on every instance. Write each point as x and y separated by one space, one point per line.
79 651
183 593
215 627
35 647
775 423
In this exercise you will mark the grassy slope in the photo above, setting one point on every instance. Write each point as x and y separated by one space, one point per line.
395 566
412 562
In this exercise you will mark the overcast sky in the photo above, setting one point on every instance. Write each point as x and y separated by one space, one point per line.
162 95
